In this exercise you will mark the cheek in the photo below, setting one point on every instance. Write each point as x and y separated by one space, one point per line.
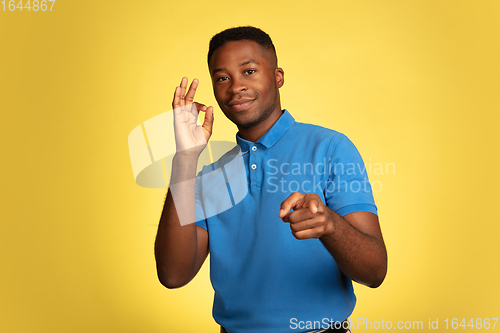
267 90
219 94
265 87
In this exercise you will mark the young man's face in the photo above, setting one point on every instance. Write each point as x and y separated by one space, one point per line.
246 82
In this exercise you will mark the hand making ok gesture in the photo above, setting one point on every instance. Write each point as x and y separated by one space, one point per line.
190 138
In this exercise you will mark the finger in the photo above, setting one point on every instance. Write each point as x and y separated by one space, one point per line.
183 87
178 94
298 215
314 203
196 108
176 103
191 92
307 224
294 201
200 107
208 122
308 233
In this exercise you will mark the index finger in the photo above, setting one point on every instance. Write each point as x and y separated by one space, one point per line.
295 200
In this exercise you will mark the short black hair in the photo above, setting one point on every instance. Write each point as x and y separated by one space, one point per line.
237 34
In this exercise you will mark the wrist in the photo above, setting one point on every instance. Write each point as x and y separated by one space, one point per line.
183 167
186 157
330 225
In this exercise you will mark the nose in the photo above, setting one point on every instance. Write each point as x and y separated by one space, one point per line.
238 85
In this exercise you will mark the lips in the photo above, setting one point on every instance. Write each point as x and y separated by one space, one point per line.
240 104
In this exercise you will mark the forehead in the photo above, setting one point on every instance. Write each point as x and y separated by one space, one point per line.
236 53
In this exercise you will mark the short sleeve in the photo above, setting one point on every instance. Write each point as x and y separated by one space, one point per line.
348 189
220 186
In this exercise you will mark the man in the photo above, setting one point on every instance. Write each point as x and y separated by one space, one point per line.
283 258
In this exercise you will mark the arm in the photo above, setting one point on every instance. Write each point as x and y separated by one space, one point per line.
355 240
181 248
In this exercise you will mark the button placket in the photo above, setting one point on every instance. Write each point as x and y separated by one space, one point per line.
254 162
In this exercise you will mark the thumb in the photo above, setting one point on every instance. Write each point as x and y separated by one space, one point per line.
313 203
208 122
313 207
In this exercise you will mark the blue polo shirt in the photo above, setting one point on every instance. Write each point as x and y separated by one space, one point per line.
265 280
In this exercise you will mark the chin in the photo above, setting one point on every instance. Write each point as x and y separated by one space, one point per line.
247 124
248 120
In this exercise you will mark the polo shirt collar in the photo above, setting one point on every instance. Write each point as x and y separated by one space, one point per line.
284 122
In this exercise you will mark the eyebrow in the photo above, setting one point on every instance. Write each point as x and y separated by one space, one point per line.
250 61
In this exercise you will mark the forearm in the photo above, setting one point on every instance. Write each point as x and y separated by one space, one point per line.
360 256
176 245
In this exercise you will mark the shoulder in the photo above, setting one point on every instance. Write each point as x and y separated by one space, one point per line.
316 134
305 129
328 141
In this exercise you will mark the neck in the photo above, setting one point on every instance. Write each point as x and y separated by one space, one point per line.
253 133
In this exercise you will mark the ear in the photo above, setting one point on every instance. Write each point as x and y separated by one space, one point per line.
280 77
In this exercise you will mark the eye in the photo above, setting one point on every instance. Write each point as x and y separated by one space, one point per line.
222 78
249 72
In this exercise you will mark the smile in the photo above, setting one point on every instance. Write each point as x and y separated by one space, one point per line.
241 106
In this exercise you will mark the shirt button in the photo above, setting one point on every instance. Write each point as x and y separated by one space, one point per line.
254 166
254 148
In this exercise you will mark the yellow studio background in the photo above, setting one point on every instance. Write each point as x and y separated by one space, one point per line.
414 84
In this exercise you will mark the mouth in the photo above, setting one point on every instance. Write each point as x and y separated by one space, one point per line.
240 104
